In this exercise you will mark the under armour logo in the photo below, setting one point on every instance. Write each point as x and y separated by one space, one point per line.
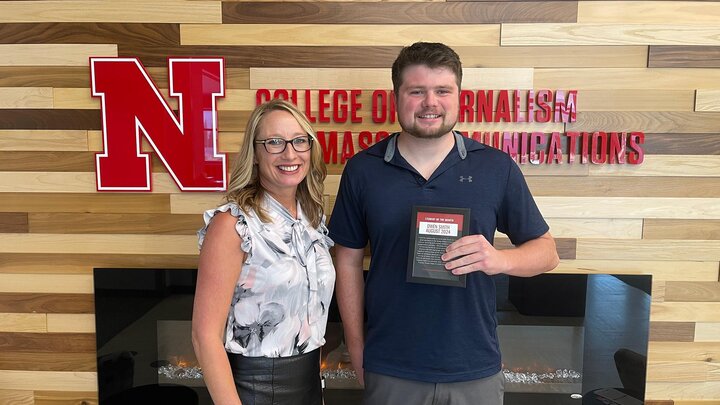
468 178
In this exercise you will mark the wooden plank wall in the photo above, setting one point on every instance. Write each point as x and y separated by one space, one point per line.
645 65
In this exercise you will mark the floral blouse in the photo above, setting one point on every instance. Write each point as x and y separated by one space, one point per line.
281 299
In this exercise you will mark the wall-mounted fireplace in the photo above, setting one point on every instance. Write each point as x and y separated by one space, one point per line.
143 337
560 337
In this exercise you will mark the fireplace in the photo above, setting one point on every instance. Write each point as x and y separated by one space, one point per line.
143 337
559 335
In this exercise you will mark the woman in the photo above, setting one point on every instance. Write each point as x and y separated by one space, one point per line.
264 256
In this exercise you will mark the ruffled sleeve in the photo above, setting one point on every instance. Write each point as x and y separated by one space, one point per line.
241 225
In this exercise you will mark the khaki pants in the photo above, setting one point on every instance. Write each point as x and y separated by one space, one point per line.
386 390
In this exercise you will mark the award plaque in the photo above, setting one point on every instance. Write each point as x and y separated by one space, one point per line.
432 230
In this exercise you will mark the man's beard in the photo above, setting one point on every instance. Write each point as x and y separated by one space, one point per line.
417 131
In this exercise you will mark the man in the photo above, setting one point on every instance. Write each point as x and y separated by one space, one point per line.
430 344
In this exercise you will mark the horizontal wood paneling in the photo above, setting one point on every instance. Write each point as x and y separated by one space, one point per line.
633 100
68 182
19 97
13 222
36 323
77 76
337 34
671 331
71 323
595 228
17 397
681 371
707 332
40 243
707 100
47 342
237 78
398 13
49 119
692 291
24 264
85 203
684 56
648 249
51 55
551 56
631 79
48 380
649 12
273 56
657 291
664 165
65 398
630 207
47 303
39 140
680 351
697 390
44 76
52 182
652 122
682 144
90 33
46 283
172 11
57 264
691 311
81 98
681 229
193 203
115 223
660 270
49 161
616 186
609 34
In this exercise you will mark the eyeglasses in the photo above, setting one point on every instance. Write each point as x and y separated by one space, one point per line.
278 145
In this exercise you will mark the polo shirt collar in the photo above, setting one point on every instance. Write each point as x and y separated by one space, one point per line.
459 143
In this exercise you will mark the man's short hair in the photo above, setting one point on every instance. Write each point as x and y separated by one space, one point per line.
430 54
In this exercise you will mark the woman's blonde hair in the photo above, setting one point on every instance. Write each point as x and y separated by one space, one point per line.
245 188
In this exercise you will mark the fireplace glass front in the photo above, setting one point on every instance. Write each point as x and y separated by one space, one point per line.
563 337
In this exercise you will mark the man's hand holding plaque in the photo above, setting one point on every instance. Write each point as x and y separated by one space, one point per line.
474 253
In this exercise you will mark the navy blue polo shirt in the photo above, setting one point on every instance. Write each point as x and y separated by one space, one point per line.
418 331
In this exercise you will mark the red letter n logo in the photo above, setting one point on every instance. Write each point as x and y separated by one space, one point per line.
133 107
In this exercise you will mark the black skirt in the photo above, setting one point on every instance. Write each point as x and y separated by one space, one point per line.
278 381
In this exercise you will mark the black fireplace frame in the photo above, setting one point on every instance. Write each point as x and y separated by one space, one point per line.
532 300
